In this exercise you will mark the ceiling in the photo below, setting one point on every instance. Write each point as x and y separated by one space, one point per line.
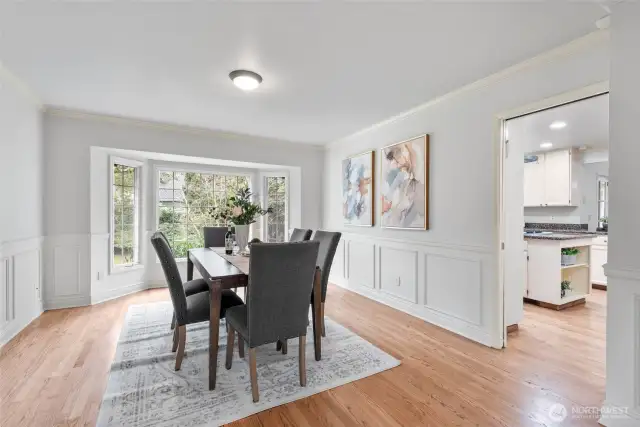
329 68
587 125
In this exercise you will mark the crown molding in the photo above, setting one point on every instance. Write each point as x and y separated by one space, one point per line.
575 46
19 85
171 127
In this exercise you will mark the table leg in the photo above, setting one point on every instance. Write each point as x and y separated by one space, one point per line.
317 313
189 268
215 292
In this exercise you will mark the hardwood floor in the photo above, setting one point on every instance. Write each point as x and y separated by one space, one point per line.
54 372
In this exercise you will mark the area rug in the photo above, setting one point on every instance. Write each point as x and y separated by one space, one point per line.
144 390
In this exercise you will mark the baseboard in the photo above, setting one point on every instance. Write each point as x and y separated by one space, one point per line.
11 330
619 416
455 325
156 284
100 295
601 286
67 302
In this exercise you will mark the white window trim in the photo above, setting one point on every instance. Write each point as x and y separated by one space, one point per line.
113 160
166 167
264 197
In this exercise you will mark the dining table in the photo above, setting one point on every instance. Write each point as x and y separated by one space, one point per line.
222 271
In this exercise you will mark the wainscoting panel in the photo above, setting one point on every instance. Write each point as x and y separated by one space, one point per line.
399 273
361 264
20 285
452 286
457 286
338 267
67 281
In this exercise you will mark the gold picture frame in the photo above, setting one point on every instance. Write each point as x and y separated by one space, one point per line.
358 204
404 184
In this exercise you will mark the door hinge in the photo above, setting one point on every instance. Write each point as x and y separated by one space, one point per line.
506 149
502 246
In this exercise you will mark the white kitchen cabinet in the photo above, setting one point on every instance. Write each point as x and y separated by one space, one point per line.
548 181
557 178
534 182
599 258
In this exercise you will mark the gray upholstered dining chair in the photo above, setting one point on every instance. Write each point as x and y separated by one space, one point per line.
188 309
191 287
281 278
214 236
328 244
300 235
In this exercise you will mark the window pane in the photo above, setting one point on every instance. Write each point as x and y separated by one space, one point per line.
117 175
128 176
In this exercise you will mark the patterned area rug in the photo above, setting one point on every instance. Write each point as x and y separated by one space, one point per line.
144 390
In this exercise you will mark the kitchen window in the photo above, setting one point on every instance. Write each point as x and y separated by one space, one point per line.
603 201
186 203
125 217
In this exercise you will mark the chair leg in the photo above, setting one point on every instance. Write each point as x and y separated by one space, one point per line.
174 347
182 338
324 330
173 321
279 345
302 362
253 373
231 334
284 347
241 346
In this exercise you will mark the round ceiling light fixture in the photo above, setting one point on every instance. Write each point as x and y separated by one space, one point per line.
245 80
558 125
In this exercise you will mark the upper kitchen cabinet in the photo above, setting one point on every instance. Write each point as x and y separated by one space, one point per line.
548 180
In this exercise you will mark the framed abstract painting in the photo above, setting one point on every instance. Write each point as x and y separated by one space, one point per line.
404 186
357 189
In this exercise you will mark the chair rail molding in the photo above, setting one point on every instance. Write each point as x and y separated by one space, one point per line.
445 284
20 285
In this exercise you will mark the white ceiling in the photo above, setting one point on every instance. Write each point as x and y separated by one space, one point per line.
587 125
329 68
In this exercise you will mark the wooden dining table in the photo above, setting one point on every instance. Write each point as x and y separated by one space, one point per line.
222 271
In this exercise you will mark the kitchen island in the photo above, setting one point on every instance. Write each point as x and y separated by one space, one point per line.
546 272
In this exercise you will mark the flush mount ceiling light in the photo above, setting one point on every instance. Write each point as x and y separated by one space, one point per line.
546 144
558 125
245 80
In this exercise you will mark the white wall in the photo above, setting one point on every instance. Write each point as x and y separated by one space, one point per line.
72 232
623 268
21 207
453 267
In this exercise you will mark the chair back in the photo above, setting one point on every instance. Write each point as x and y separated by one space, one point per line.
328 244
214 236
300 235
172 275
280 282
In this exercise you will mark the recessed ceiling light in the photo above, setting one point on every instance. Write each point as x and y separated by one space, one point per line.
546 144
558 125
245 80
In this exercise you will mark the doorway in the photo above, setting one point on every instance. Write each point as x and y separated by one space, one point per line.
553 204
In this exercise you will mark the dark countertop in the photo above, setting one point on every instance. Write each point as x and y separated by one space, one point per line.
559 235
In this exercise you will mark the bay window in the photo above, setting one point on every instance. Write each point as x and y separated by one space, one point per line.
187 201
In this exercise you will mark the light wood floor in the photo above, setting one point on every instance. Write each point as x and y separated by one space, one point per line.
54 373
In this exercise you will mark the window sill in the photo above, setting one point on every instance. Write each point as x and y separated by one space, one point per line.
124 270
